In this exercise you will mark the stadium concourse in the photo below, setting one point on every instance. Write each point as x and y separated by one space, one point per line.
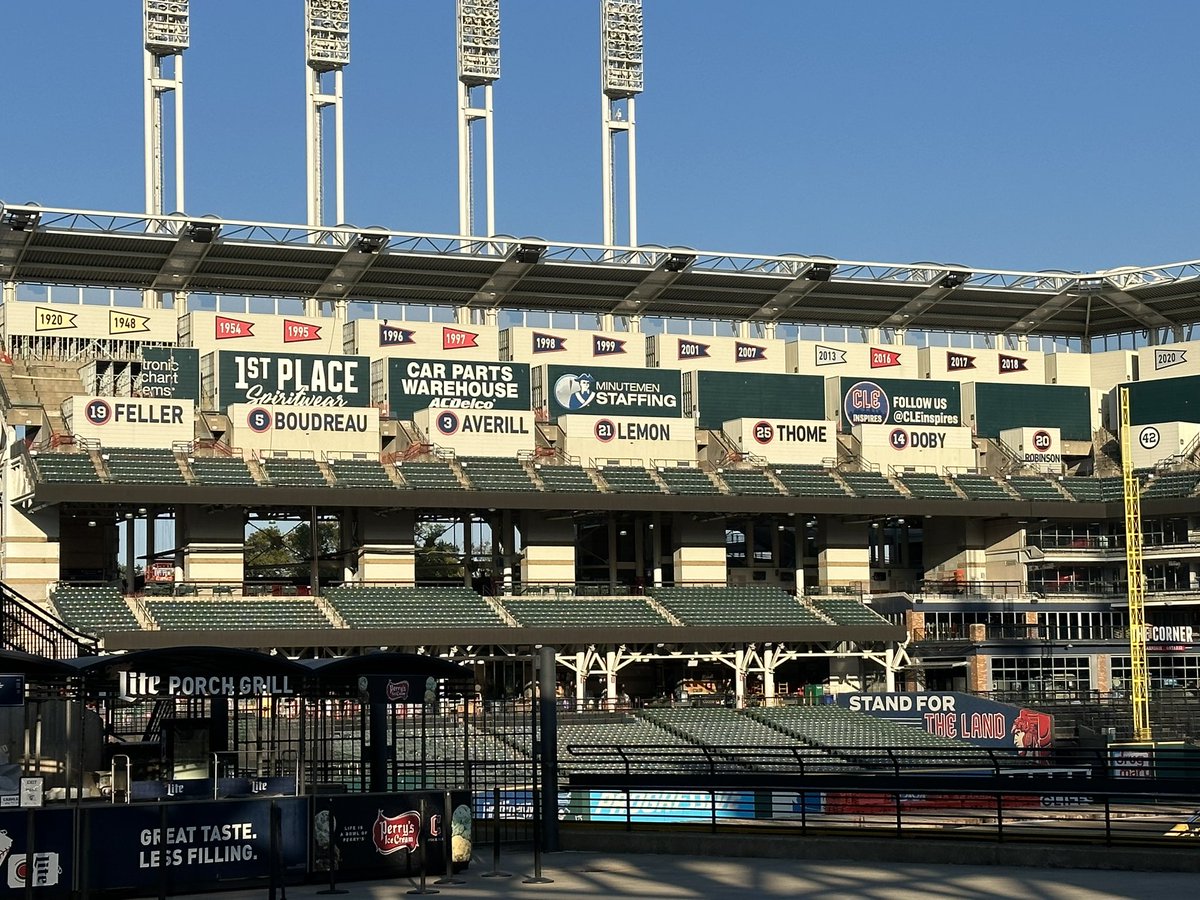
676 504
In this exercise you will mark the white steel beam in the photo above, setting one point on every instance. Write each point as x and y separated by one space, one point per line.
326 54
477 27
621 56
166 33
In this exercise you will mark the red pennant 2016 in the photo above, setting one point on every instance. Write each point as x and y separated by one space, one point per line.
884 359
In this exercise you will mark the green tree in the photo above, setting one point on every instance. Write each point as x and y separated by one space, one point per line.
437 559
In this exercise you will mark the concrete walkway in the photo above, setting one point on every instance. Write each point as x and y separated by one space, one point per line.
580 876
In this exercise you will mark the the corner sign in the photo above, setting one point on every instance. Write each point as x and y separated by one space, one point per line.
139 684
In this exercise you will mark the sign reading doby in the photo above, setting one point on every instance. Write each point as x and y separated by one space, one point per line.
168 372
131 421
292 379
899 446
415 384
885 401
267 427
599 391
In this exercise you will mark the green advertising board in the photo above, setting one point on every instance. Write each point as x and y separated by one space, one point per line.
415 384
718 397
170 373
1163 400
292 379
899 401
1002 406
604 391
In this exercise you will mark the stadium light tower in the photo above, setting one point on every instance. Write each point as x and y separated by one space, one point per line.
166 31
478 30
620 82
326 53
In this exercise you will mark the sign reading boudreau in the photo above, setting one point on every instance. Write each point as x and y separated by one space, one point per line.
139 684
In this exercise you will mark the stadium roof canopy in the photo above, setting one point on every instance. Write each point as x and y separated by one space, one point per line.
221 256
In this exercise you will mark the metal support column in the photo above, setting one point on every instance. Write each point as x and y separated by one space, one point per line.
1139 675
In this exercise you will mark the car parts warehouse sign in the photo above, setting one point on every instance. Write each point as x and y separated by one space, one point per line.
594 391
292 379
415 384
890 401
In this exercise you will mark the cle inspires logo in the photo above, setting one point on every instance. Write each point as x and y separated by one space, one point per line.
393 833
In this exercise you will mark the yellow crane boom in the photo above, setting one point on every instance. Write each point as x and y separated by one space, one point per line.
1139 674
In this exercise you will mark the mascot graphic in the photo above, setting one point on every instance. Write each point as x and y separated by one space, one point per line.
1032 732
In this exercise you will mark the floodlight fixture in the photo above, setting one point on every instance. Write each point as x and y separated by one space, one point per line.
327 34
954 279
166 27
621 37
370 243
19 219
678 262
528 254
202 232
820 272
478 41
1090 286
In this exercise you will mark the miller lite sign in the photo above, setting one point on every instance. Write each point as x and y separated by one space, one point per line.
393 833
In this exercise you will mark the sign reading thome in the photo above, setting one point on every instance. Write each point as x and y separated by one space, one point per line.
604 391
415 384
292 379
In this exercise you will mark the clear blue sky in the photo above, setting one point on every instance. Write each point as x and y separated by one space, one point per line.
1017 134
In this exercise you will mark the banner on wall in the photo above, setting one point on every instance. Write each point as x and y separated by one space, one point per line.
415 384
284 379
952 714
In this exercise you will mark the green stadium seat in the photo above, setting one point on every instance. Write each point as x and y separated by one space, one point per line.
748 481
682 480
1090 489
735 605
359 473
293 472
629 480
134 465
1035 487
808 481
93 609
1170 484
928 486
496 473
429 476
236 614
870 484
443 606
57 467
583 612
565 478
981 487
846 611
222 471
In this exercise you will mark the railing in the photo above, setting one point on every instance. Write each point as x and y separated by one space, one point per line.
1084 797
27 627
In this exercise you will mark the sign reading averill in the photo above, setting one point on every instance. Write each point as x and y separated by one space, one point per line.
168 373
264 427
890 401
285 379
478 432
603 391
415 384
131 422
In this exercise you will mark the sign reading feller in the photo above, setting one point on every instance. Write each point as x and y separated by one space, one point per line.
414 384
886 401
603 391
257 427
292 379
131 422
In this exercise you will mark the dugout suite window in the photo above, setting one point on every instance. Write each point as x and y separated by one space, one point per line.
1035 675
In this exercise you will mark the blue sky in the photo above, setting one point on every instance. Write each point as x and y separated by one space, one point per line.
1017 134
